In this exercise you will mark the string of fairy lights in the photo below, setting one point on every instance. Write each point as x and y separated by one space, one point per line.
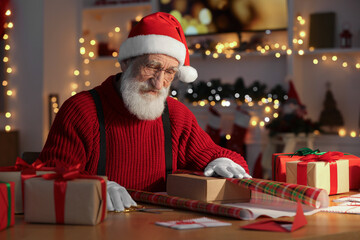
8 69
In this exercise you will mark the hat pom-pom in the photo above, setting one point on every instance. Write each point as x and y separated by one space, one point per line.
187 74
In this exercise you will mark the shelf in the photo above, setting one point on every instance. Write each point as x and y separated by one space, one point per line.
243 54
333 51
116 7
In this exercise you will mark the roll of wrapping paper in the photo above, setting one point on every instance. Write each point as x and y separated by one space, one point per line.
306 195
314 197
193 205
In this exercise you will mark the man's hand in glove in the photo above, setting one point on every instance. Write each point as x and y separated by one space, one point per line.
117 197
225 168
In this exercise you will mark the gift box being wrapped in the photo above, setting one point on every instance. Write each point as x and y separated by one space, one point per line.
54 199
7 205
19 173
207 189
320 171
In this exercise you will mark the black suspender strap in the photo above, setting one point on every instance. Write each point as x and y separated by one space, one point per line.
100 114
102 158
167 135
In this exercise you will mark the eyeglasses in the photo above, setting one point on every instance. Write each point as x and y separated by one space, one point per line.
152 69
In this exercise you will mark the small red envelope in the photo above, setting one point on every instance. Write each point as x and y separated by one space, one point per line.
280 226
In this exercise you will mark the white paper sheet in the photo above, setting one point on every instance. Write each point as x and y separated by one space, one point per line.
349 204
265 205
273 211
193 223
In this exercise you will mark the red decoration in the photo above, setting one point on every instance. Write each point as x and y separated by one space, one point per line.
345 38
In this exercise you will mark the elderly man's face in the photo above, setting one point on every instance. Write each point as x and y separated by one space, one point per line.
158 69
145 84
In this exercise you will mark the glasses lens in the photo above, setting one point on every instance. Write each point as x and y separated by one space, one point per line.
168 74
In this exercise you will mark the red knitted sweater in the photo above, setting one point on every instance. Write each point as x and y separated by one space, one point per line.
135 156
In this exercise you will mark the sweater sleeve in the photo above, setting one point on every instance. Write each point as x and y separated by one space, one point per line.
72 134
195 147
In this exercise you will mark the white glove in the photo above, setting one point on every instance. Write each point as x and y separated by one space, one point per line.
117 197
225 168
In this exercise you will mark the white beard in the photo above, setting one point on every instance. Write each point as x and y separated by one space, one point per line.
145 106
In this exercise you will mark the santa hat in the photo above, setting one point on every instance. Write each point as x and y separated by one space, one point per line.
159 33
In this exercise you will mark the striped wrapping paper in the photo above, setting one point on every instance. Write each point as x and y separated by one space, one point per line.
314 197
193 205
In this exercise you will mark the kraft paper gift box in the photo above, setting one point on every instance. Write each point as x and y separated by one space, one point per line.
83 201
7 205
17 174
331 176
207 189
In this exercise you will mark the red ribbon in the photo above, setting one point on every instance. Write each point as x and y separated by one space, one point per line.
61 177
326 157
21 165
329 157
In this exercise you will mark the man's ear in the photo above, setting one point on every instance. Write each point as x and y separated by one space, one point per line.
124 65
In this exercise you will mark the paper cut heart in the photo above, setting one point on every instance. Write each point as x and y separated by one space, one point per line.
280 226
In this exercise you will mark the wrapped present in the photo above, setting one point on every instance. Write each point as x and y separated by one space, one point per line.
19 173
279 161
7 205
207 189
327 171
65 197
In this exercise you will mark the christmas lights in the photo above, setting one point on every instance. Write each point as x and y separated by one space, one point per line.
5 32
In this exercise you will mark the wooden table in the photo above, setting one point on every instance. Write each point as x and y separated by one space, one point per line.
140 226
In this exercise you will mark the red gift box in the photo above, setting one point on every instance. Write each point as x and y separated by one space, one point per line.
279 161
7 205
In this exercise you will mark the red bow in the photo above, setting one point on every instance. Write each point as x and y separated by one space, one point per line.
63 173
326 157
21 165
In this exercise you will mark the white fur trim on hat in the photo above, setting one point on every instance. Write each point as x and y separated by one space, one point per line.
187 74
156 44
